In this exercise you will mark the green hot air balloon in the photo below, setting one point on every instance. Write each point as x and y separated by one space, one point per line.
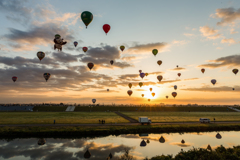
86 17
155 51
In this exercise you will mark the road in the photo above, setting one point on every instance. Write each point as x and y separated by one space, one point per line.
107 124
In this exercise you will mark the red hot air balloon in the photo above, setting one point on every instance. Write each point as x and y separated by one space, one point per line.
14 78
174 94
84 49
179 74
129 92
90 65
106 28
202 70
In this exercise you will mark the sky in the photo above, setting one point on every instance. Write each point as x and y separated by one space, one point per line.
189 34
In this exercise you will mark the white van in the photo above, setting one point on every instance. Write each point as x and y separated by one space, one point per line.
204 120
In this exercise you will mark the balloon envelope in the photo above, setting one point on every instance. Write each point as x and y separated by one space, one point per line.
94 100
175 87
140 84
86 17
40 55
235 71
107 89
159 62
122 47
142 95
213 81
160 78
140 71
111 62
46 76
146 74
202 70
130 85
174 94
150 89
14 78
129 92
84 49
179 74
90 65
106 28
142 75
153 94
155 52
75 43
167 97
148 99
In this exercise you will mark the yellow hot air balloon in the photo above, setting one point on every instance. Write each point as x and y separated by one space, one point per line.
146 74
140 84
153 94
150 89
130 85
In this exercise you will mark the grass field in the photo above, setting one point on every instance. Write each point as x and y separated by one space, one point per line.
134 109
60 117
185 116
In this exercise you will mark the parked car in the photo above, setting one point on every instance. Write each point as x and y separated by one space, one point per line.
204 120
144 120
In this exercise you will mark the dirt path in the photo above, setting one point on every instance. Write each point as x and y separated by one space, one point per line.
107 124
126 117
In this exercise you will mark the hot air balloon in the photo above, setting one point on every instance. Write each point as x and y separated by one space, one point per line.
111 62
46 76
130 85
174 94
87 154
213 81
154 51
148 99
218 136
167 97
159 78
233 89
41 141
90 65
182 141
94 100
143 143
146 74
179 74
14 78
86 17
142 75
159 62
175 87
153 94
110 156
202 70
148 141
177 66
122 47
142 95
235 71
40 55
129 92
150 89
75 43
140 84
107 89
106 28
161 139
84 49
140 71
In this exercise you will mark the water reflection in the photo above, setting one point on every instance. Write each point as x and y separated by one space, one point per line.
113 147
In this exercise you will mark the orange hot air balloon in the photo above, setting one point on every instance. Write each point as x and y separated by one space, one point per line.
146 74
150 89
235 71
140 84
149 100
174 94
130 85
90 65
84 49
202 70
122 47
159 62
159 78
142 95
179 74
153 94
129 92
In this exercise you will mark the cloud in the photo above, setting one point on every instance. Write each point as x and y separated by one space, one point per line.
214 89
188 35
169 81
190 79
139 48
233 60
179 42
227 15
232 31
178 69
210 33
101 57
228 40
180 144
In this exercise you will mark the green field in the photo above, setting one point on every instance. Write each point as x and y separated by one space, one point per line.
60 117
133 109
185 116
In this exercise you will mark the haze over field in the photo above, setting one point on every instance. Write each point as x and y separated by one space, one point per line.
189 34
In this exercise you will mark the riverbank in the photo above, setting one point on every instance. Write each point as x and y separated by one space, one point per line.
93 131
